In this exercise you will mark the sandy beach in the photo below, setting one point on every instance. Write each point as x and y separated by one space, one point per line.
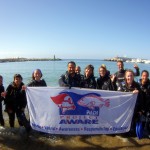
46 142
36 140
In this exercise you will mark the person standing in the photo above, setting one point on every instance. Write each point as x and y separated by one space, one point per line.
36 79
144 83
120 74
131 86
15 101
70 78
1 99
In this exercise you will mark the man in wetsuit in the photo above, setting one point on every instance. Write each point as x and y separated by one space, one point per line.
119 75
70 78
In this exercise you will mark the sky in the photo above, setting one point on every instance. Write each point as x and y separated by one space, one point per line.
76 29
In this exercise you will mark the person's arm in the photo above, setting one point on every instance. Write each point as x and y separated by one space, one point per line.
7 94
97 84
61 81
93 83
24 101
113 86
113 82
137 70
31 83
2 91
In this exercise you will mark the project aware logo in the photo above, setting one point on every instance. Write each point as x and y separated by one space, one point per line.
75 104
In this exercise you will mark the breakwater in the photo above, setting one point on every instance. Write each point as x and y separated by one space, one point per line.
28 59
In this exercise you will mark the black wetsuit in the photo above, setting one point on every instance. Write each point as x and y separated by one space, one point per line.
1 110
146 94
37 83
66 80
135 86
16 102
139 102
105 83
89 82
121 73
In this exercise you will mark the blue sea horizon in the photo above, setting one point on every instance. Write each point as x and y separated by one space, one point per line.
52 70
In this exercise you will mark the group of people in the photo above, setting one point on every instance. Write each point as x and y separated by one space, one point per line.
123 80
15 99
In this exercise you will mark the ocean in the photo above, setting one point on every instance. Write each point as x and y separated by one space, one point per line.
52 70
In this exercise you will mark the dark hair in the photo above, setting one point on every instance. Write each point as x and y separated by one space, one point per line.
71 62
90 67
1 76
18 76
34 71
78 68
145 71
120 61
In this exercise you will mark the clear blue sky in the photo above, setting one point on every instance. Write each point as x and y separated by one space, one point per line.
94 29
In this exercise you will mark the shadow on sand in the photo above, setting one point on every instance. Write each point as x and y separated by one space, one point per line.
64 142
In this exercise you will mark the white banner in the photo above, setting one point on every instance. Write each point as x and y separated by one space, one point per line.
79 111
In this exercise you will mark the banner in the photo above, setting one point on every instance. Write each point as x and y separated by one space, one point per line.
78 111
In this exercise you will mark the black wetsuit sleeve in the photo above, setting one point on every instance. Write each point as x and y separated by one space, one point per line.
1 90
30 84
24 100
94 84
137 72
140 99
61 81
43 82
97 84
9 92
114 86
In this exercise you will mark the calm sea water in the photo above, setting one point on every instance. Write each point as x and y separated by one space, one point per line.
53 69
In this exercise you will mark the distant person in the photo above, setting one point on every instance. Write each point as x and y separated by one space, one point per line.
119 75
104 81
1 99
37 79
78 69
70 78
15 101
89 79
